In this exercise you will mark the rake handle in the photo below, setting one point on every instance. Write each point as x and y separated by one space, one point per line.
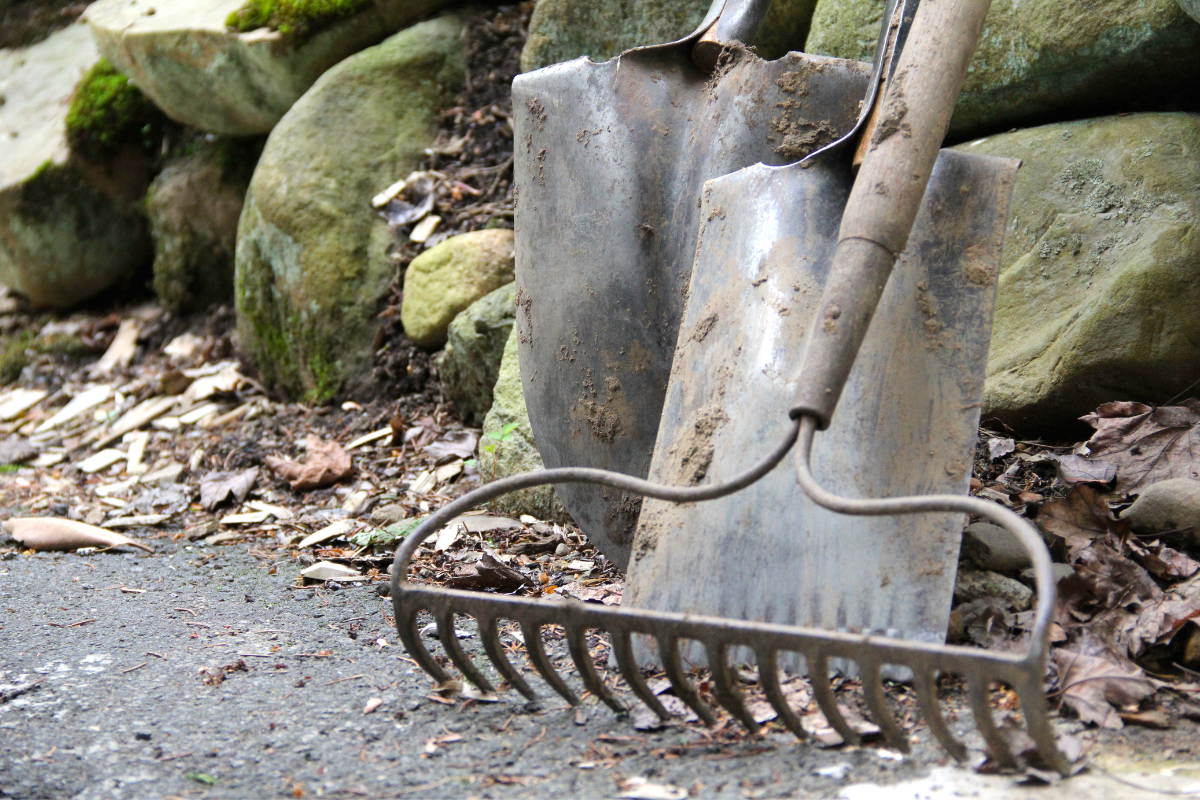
887 193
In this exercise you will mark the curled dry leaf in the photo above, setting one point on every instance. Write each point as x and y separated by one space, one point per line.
326 464
217 487
1080 518
52 533
1094 682
1146 444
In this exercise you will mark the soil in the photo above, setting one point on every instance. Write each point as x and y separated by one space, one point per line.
27 22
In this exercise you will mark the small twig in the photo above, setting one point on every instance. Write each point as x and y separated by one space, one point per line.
131 669
177 755
193 613
156 655
197 624
342 680
73 624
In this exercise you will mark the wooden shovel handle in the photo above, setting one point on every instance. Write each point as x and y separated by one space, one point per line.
887 193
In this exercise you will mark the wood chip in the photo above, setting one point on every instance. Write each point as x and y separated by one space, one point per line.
374 436
85 401
329 571
252 518
122 349
424 229
135 522
102 460
18 401
136 417
339 528
278 512
195 415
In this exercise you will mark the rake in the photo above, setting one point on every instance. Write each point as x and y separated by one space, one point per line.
872 654
875 227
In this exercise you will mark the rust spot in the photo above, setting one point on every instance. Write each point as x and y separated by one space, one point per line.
524 305
537 111
704 328
976 267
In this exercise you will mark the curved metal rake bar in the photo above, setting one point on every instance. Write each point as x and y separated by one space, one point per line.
1022 672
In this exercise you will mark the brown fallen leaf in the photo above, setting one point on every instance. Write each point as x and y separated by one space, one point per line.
217 487
1080 518
53 533
326 463
489 573
1146 444
1095 682
1150 718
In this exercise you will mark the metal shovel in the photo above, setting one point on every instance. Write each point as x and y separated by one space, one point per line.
611 161
893 189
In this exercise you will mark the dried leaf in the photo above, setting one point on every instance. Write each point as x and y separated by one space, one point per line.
326 463
15 450
1080 518
998 447
453 444
51 533
1092 680
217 487
490 574
1146 444
1074 469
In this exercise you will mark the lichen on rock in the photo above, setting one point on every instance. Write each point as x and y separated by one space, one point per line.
313 263
298 19
561 30
1046 61
507 446
109 113
470 364
1097 289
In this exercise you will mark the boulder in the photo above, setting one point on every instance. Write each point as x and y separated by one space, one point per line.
206 75
561 30
475 343
313 262
1192 7
1171 506
443 281
1046 61
990 547
70 226
979 584
507 447
193 207
1097 288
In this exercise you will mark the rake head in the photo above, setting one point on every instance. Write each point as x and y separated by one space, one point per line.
871 653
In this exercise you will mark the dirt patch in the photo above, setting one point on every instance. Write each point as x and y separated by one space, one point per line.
27 22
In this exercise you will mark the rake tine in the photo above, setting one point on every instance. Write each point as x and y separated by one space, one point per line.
818 675
997 746
927 697
446 635
406 629
587 668
1038 724
537 655
489 632
668 651
633 676
768 675
872 683
725 688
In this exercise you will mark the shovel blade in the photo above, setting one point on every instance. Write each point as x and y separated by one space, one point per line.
610 163
906 423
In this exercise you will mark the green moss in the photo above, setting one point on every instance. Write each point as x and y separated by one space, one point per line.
108 113
12 356
15 352
298 19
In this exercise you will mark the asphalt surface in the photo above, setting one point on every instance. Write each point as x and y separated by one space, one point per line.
123 709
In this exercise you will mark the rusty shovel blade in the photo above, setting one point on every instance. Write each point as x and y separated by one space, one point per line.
611 162
906 423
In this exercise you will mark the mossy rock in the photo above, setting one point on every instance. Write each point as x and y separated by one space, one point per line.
561 30
1097 290
447 278
1048 61
193 207
70 224
507 446
313 263
297 19
109 114
206 75
470 364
